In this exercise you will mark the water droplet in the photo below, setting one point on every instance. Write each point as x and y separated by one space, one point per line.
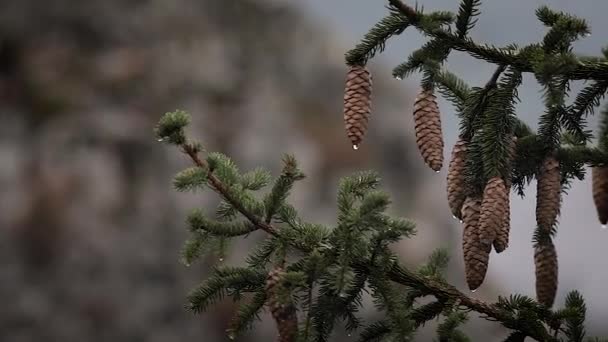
454 217
474 290
461 221
160 139
342 295
398 78
355 147
349 335
231 336
604 226
221 259
437 171
588 34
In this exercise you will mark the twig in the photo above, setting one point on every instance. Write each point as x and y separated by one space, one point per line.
223 190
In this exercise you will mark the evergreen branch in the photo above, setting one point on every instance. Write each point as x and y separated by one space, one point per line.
374 41
467 11
447 292
447 331
427 312
580 70
575 329
589 98
194 247
198 221
223 282
435 50
603 130
452 88
375 332
282 186
247 314
222 189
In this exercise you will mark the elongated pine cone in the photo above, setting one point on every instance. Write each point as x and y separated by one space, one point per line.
456 183
357 103
493 209
476 254
599 176
502 235
282 309
548 194
429 136
545 260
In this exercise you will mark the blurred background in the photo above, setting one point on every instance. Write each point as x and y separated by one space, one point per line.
90 228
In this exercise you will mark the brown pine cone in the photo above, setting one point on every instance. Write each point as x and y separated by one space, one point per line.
501 242
548 194
357 103
476 254
282 309
456 183
545 260
493 209
427 122
599 176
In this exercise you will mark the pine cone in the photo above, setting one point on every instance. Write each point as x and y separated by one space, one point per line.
283 310
600 192
476 254
493 210
545 260
502 235
428 129
357 103
548 194
456 183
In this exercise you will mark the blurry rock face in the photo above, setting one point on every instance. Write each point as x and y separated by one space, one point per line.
89 227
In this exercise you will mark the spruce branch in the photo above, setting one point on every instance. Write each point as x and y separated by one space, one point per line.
427 281
524 60
222 189
375 40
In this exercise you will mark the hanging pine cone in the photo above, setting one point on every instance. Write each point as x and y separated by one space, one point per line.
357 103
456 183
501 242
600 192
282 309
502 235
476 254
493 210
545 260
427 122
548 193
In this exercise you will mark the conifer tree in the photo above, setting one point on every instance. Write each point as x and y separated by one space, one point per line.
312 277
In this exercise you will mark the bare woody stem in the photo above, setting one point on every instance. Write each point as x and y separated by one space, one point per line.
398 273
